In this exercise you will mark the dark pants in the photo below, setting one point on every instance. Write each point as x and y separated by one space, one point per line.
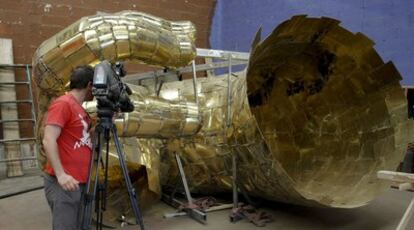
65 205
408 161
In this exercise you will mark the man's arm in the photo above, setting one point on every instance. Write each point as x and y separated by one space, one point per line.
52 132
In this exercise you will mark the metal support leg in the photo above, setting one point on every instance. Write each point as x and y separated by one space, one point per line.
190 209
235 212
406 182
184 180
235 189
407 215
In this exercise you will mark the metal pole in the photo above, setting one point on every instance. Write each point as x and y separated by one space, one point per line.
29 80
18 159
184 179
16 120
15 140
195 82
406 218
133 78
222 54
16 101
229 123
235 192
229 97
14 65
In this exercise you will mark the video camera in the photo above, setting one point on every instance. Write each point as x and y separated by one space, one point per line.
111 94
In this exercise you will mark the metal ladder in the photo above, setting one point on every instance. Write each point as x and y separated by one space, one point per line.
29 100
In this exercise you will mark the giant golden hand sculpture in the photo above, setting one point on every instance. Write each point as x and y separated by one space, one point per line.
312 119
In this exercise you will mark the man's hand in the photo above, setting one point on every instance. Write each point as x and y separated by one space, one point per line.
67 182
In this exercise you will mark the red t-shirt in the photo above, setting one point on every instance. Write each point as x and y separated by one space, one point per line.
74 142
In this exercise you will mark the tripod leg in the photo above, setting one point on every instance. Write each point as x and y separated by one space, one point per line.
131 190
100 187
92 184
101 195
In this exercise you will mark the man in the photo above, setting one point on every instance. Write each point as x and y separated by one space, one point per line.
68 147
410 100
408 164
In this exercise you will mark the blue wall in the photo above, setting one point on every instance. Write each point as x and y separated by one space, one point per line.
390 23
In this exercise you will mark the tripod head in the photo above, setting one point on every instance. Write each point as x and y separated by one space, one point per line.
105 123
105 113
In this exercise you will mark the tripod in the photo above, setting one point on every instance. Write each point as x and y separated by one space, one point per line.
96 188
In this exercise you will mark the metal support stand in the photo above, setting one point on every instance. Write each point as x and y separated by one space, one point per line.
234 216
406 182
240 211
190 209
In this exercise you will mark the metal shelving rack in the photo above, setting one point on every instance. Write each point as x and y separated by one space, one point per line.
29 100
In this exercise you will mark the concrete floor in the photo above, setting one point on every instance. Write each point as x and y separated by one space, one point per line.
30 211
